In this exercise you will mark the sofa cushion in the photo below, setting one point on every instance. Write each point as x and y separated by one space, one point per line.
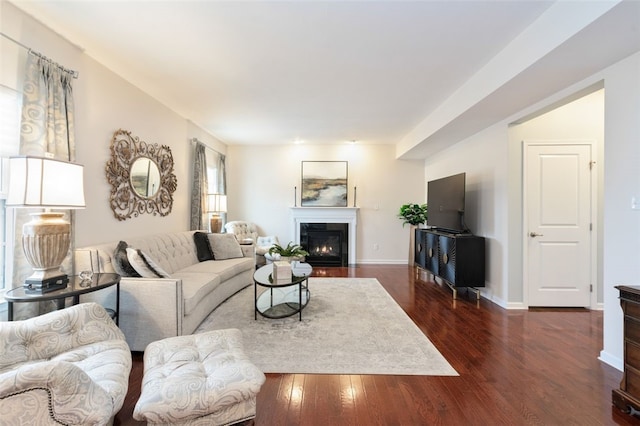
121 261
226 269
173 251
195 286
203 249
224 246
144 265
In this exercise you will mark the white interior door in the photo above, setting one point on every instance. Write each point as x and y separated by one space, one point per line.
557 198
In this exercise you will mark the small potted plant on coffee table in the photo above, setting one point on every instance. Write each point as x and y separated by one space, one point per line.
292 252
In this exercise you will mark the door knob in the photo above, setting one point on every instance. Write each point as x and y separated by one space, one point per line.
535 234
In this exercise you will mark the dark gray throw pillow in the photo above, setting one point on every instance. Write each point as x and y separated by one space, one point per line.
203 248
121 262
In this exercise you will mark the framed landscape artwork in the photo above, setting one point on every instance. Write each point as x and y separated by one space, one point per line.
324 184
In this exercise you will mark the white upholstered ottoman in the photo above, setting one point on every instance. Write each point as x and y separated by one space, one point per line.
200 379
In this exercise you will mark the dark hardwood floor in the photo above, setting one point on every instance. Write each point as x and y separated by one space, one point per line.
516 368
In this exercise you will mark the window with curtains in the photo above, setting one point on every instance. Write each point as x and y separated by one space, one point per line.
10 107
216 176
214 182
208 178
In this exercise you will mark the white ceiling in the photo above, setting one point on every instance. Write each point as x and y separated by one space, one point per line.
266 72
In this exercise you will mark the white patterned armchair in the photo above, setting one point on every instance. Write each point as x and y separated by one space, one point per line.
66 367
248 230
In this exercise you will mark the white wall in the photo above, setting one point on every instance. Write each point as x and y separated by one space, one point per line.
104 103
211 141
261 179
494 169
621 181
582 119
261 182
483 158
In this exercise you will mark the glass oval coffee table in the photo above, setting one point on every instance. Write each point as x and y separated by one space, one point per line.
280 300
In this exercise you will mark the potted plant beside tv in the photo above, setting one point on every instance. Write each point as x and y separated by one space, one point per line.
415 215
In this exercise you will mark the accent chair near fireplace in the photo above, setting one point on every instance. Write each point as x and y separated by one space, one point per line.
248 230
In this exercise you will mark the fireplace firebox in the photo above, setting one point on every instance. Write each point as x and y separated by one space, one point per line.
327 243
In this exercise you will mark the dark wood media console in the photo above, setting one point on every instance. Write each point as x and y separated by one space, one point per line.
627 397
459 259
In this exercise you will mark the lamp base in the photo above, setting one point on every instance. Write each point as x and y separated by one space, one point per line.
215 224
45 241
45 285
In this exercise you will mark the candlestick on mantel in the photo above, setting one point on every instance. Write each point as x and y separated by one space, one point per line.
295 196
355 189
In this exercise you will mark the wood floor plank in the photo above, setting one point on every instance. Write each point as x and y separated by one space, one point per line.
537 367
361 409
376 397
272 409
297 392
325 395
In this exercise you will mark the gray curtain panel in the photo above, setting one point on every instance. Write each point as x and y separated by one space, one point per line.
199 188
47 126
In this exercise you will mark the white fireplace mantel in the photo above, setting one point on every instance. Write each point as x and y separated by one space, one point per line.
348 215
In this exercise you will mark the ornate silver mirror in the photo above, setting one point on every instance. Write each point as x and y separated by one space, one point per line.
141 177
145 177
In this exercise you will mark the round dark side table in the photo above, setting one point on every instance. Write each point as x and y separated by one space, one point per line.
74 288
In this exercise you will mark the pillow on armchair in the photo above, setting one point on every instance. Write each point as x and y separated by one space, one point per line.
263 244
248 230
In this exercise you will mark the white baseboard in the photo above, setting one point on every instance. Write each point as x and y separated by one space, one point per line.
613 361
381 262
516 306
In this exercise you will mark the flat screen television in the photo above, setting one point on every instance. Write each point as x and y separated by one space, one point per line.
445 203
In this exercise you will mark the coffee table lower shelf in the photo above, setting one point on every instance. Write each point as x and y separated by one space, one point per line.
281 299
283 302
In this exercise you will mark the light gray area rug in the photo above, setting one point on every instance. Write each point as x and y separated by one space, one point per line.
350 326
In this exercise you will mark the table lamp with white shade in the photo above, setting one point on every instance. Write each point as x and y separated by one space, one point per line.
36 182
216 204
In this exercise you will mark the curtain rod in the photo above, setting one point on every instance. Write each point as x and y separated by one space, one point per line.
73 73
198 141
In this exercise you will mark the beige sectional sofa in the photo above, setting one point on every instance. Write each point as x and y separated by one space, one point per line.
177 290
